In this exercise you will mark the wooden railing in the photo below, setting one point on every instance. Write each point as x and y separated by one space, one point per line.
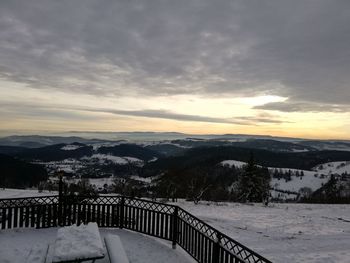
202 241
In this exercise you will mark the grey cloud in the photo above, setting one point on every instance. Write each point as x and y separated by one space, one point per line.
262 120
75 112
162 114
12 110
299 49
303 107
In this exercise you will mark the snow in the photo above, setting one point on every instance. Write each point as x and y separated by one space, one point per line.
234 163
164 142
78 242
116 250
333 168
96 146
69 165
142 179
16 193
299 150
37 254
133 159
308 180
70 147
16 244
311 179
104 157
153 159
115 159
97 182
283 233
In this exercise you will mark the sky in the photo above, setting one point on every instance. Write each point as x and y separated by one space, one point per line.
273 67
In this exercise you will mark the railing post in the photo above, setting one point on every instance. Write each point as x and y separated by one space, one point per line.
174 226
216 248
60 200
122 205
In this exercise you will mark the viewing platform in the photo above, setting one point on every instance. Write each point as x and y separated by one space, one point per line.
166 222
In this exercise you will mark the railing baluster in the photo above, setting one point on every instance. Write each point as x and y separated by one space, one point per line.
137 216
114 224
174 227
93 219
108 207
37 216
3 218
32 216
21 217
149 222
27 216
9 218
122 204
216 248
43 216
167 228
129 216
49 215
15 217
153 223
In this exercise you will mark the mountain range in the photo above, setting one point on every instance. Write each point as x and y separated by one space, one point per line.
188 157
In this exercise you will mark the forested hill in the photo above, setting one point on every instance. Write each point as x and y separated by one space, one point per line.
20 174
130 150
55 152
209 156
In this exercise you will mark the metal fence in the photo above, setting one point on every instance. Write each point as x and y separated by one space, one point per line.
203 242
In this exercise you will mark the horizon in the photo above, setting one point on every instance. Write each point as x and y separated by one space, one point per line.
89 135
277 68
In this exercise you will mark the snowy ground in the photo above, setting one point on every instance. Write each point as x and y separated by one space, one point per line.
333 168
14 193
16 244
283 233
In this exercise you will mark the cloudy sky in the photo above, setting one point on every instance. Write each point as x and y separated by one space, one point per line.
275 67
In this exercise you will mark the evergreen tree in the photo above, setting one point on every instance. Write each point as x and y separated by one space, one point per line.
254 183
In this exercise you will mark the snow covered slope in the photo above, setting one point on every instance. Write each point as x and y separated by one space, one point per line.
114 159
311 179
70 147
333 168
230 163
283 233
15 193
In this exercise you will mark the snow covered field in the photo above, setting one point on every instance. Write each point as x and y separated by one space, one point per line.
114 159
283 233
312 179
333 167
16 244
14 193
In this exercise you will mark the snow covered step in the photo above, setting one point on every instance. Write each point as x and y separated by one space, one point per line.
37 254
115 249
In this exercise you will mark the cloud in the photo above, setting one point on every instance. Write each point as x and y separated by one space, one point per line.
163 114
303 107
297 49
37 111
42 110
